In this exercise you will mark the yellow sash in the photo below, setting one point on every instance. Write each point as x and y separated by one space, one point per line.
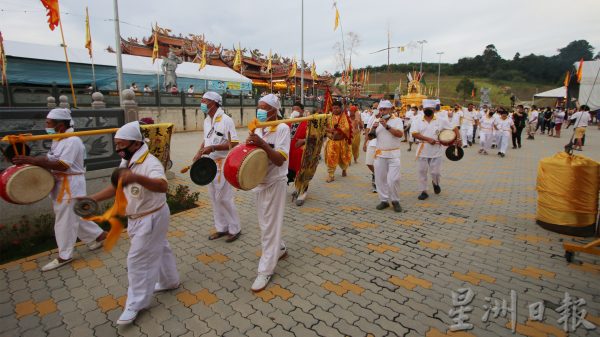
111 216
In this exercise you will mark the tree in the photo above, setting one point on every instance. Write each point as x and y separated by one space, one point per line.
465 87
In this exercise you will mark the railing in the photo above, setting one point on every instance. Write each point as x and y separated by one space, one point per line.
30 96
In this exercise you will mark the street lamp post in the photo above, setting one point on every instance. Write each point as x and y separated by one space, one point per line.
421 42
302 56
439 71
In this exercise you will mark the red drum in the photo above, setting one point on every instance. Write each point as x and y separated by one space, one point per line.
245 166
25 184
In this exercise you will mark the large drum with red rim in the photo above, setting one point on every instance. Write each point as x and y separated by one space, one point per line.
245 166
25 184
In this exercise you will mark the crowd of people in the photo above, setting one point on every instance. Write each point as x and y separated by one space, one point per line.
151 264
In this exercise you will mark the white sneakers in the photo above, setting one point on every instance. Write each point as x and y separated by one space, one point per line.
159 288
55 264
260 283
127 317
95 245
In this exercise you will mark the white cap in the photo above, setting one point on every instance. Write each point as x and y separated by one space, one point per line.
429 104
130 131
271 100
59 114
385 104
213 96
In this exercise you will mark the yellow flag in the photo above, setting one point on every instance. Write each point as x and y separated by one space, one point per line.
203 60
269 62
337 19
293 68
402 49
237 61
313 71
3 61
155 49
88 34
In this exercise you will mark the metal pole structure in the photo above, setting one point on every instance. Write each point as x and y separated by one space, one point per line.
302 56
439 72
421 43
118 52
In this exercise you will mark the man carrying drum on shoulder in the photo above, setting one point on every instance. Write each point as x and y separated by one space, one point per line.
271 192
65 161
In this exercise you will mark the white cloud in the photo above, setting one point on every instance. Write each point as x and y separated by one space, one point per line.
459 28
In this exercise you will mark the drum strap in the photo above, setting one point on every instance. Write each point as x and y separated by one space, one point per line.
65 187
111 216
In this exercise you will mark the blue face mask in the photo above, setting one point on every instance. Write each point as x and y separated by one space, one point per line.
204 107
261 115
50 131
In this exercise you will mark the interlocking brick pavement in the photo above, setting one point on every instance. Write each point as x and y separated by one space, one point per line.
351 270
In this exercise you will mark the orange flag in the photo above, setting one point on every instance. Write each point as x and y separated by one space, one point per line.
580 71
53 12
473 93
567 78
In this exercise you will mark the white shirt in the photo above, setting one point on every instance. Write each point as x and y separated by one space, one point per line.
218 130
486 124
364 116
372 120
71 152
559 117
279 139
386 141
430 129
455 119
139 199
190 90
580 118
468 117
505 125
294 114
533 116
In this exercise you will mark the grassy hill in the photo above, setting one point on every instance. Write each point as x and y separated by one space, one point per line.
500 91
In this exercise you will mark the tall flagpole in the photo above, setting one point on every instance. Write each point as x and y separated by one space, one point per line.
302 56
94 86
118 52
67 62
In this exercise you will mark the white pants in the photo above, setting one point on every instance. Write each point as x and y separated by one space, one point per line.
387 178
485 139
224 211
496 137
68 226
150 259
270 206
434 166
466 133
504 138
370 156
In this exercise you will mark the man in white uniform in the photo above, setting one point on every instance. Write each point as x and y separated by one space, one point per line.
387 157
364 116
430 151
466 125
65 161
219 136
506 127
370 144
271 193
580 119
486 132
151 265
413 117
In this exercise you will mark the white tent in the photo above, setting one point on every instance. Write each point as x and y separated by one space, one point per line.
589 88
138 65
554 93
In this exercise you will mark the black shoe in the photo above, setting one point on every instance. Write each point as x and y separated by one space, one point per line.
502 155
382 205
519 146
464 147
397 207
423 196
514 147
436 189
499 153
470 143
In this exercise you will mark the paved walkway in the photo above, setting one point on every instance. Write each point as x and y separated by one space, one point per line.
351 270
